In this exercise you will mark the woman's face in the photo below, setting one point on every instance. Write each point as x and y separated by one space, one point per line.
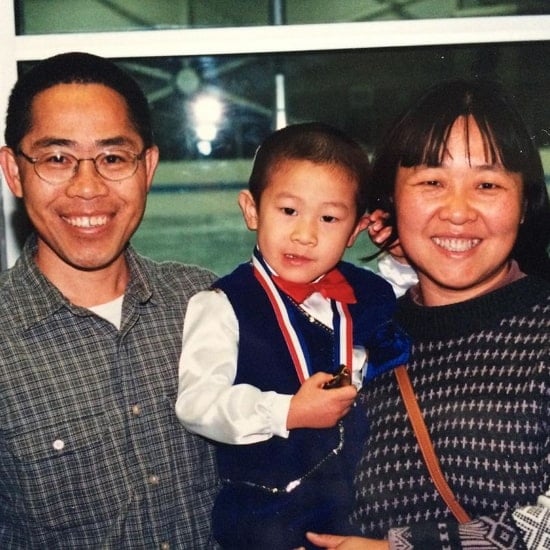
458 222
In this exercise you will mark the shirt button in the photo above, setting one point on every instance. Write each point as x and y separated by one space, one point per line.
136 409
164 545
58 444
153 479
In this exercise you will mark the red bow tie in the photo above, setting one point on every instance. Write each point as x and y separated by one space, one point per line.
333 285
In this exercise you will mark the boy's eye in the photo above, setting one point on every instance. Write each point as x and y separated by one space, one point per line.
288 211
329 219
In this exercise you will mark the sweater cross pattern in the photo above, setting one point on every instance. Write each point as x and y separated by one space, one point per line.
482 385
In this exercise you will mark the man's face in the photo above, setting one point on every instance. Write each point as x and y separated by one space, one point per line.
86 221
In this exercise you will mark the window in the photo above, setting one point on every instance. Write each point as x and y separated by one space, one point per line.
357 76
54 16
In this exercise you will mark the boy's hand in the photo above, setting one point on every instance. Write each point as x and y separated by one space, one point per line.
315 407
341 378
378 232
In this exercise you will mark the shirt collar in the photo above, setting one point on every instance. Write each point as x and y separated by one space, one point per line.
40 298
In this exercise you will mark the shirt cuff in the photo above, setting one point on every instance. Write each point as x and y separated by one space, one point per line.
279 414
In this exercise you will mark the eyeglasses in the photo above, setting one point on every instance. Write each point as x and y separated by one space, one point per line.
59 167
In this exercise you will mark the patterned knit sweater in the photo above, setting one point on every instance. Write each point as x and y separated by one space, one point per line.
480 372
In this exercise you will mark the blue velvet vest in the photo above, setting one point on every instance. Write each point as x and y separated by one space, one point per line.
308 455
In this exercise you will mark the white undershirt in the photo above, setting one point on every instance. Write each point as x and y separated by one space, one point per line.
111 311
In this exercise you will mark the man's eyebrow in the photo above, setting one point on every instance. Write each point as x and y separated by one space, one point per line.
116 141
51 141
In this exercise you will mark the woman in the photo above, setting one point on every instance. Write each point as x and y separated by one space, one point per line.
464 188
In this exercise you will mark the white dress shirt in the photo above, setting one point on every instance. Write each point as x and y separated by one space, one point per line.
400 276
208 401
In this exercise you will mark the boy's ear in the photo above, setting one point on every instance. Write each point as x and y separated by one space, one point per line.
11 171
361 225
248 208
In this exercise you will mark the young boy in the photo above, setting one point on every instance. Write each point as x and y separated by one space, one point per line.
262 347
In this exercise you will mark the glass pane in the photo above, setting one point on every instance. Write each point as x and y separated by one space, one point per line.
59 16
192 213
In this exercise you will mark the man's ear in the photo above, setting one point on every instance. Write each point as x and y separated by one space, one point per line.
249 210
361 225
10 169
151 162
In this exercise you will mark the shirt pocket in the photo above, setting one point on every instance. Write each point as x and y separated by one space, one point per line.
68 473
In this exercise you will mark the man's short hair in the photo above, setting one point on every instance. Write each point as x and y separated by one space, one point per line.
70 68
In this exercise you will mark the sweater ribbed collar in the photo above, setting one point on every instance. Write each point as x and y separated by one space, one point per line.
483 312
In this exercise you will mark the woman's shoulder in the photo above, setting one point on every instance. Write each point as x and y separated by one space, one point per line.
534 286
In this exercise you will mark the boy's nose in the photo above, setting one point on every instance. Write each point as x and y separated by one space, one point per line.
305 233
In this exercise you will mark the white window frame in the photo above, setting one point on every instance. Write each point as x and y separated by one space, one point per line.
248 40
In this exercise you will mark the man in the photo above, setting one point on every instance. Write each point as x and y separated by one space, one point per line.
91 452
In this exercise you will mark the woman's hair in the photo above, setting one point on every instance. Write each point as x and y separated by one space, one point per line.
315 142
69 68
419 137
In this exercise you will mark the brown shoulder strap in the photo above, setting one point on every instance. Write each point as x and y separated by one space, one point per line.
425 444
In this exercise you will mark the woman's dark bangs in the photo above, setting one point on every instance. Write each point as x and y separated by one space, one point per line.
505 141
492 147
425 144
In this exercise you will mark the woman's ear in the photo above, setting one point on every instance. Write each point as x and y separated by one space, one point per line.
10 169
247 205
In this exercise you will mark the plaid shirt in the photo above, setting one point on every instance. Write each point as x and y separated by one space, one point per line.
91 452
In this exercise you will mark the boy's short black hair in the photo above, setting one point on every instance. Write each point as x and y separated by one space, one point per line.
315 142
69 68
419 138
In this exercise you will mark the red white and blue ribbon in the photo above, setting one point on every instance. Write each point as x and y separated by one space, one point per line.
342 324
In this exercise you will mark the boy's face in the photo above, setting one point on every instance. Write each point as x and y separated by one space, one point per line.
306 219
